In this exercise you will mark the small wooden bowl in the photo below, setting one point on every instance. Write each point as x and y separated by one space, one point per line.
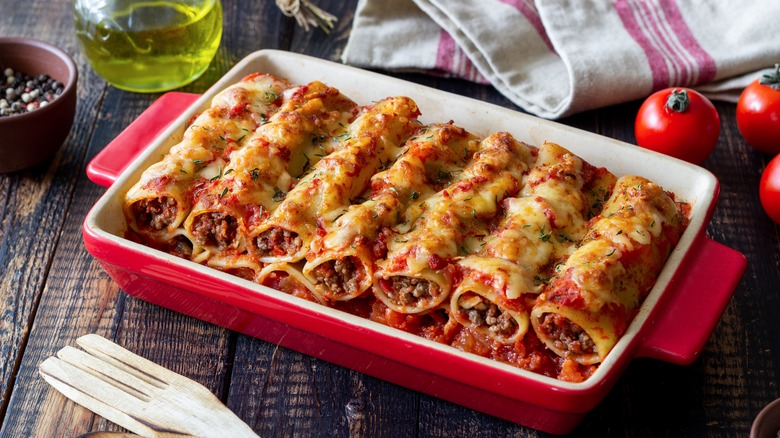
767 422
30 138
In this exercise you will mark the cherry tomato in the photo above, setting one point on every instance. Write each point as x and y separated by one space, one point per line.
769 189
679 122
758 113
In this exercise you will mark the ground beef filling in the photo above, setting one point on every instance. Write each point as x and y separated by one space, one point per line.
567 337
216 229
155 213
340 276
407 290
497 321
278 242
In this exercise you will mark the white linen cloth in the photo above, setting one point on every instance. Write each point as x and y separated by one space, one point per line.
558 57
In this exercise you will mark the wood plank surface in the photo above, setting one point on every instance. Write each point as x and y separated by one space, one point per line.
52 291
34 205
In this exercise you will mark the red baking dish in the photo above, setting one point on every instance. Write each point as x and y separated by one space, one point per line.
673 324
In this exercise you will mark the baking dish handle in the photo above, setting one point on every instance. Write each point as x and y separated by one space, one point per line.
695 304
117 155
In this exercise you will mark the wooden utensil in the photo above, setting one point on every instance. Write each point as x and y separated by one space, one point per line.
138 394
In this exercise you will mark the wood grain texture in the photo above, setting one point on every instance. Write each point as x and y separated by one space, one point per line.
52 290
34 203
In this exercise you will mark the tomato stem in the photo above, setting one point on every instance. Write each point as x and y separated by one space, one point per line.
771 79
678 101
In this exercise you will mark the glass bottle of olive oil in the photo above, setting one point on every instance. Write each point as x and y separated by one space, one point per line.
148 45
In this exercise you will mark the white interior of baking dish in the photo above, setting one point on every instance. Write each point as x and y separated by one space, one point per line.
689 182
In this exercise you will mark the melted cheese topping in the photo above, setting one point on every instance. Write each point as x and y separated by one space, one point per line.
262 171
450 215
423 248
326 192
392 192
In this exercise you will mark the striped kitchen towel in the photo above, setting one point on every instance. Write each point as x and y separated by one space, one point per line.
558 57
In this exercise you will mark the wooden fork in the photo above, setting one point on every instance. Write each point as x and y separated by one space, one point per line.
138 394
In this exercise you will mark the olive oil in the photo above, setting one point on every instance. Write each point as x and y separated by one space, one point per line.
148 46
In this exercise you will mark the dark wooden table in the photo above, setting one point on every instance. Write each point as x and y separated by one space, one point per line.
52 290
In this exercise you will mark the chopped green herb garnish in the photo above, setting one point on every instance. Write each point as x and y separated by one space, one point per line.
442 176
279 195
538 279
564 238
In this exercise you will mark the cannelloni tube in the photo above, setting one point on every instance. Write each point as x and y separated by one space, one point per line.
213 225
417 274
588 305
539 227
288 278
327 190
258 174
341 263
235 263
161 200
480 300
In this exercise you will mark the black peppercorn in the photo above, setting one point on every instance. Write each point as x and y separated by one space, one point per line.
24 93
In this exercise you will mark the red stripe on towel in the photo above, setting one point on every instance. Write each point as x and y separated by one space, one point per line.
674 55
658 68
451 59
705 63
664 39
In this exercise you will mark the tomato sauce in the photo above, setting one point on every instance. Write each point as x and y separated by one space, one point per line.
528 353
